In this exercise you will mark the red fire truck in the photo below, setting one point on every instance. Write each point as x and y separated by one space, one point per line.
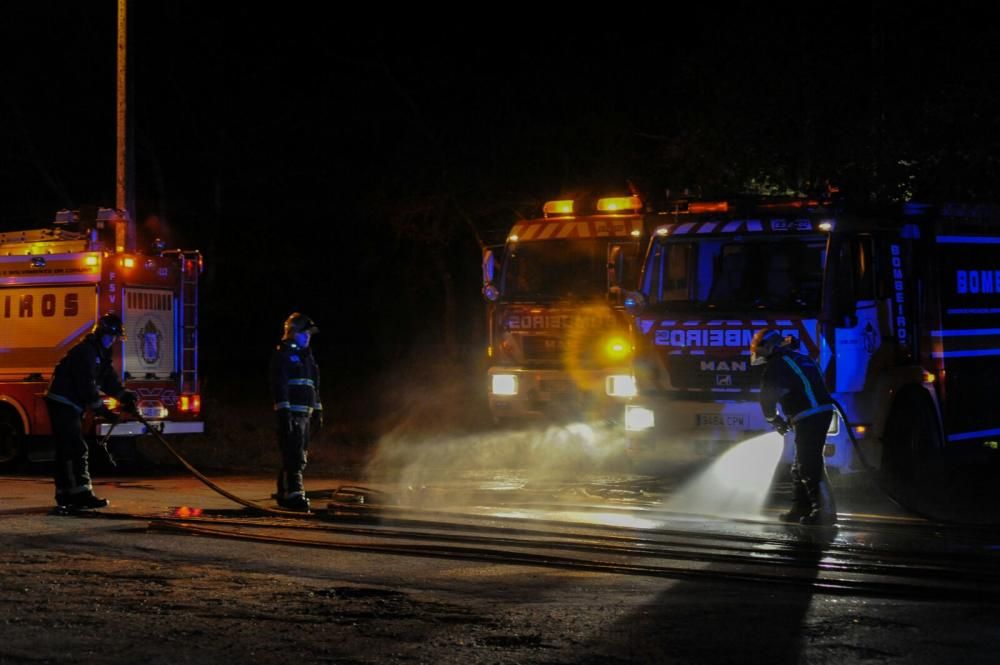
902 310
558 336
55 283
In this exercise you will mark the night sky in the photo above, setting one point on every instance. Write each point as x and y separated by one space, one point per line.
348 165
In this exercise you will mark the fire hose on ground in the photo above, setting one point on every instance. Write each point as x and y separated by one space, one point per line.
209 482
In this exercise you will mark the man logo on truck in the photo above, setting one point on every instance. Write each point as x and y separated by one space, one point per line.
723 366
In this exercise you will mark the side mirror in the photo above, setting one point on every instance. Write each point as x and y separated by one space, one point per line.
614 260
635 302
490 292
489 266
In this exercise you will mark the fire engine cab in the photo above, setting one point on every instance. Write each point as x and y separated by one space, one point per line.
558 333
55 283
902 311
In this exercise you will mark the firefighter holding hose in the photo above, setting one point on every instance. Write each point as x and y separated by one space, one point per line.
793 381
76 386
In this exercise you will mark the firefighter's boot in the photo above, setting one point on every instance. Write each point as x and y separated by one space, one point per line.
81 501
291 493
801 506
298 503
823 507
73 485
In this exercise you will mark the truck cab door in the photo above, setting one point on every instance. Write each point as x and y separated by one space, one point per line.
623 268
851 304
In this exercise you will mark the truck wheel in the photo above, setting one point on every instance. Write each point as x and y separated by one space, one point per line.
11 437
911 446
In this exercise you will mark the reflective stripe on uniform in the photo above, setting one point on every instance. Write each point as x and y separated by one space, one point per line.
805 382
301 382
802 415
63 400
278 406
298 408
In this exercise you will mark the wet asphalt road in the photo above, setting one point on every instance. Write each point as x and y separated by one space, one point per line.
486 570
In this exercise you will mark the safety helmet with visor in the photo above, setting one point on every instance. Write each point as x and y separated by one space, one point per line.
110 324
299 323
763 345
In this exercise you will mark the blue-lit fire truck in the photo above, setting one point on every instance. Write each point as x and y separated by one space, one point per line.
902 310
558 334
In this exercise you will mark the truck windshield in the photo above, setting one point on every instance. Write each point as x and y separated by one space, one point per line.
735 274
563 269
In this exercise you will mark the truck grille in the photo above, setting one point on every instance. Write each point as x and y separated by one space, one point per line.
692 373
539 347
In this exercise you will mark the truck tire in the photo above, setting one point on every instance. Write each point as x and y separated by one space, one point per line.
11 437
912 445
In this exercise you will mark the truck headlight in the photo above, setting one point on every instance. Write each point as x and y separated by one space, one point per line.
620 385
638 418
504 384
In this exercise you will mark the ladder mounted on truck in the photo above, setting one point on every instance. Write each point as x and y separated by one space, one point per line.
190 267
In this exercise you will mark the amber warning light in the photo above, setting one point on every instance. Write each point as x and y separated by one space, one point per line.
564 207
618 203
708 206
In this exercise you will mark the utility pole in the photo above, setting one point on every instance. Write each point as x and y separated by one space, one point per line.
124 233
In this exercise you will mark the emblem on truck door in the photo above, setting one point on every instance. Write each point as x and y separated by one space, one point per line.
150 342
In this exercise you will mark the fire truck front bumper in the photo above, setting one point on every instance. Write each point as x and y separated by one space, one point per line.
657 427
526 394
133 428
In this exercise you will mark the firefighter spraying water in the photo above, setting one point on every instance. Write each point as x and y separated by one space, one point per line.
893 310
793 380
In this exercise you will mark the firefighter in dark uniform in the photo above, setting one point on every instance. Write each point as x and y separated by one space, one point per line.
76 386
794 381
295 385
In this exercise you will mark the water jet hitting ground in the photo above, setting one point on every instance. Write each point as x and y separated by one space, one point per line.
735 485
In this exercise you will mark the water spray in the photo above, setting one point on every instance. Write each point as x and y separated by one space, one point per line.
735 485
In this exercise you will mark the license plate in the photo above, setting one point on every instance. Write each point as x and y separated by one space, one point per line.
723 420
151 412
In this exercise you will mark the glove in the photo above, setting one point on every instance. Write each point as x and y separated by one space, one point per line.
106 413
780 425
316 423
129 400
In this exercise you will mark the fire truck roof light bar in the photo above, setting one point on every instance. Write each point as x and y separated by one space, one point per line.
563 207
618 203
708 206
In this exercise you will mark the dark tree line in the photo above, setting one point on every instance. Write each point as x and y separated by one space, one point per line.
356 174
